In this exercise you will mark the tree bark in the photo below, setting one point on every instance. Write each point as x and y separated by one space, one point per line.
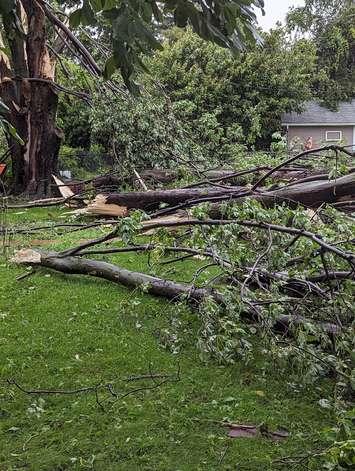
152 199
152 285
314 193
27 90
311 194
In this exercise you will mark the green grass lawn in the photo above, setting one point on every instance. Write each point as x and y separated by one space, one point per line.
69 332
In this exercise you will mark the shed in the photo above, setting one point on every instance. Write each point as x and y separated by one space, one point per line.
317 126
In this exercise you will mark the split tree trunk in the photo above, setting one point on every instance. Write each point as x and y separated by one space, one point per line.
27 90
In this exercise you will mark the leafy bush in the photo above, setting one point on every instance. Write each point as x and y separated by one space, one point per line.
141 132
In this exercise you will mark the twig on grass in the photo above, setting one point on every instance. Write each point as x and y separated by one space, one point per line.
95 389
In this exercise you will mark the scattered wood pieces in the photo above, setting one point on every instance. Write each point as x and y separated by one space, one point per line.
63 189
99 206
256 431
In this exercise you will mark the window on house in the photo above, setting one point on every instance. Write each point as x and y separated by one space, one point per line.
333 135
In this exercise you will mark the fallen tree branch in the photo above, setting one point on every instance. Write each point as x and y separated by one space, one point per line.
152 199
151 284
108 387
180 222
297 157
46 202
310 194
37 203
299 286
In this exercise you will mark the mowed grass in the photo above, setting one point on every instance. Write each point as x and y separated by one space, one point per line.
70 332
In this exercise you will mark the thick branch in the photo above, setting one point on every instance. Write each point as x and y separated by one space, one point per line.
74 40
151 284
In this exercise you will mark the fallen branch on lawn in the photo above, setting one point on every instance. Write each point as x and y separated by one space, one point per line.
309 193
150 284
306 284
74 200
328 247
108 387
152 199
335 148
38 203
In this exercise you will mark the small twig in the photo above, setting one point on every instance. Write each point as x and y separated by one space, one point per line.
103 386
25 275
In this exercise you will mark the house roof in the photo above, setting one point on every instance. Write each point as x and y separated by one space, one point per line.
315 114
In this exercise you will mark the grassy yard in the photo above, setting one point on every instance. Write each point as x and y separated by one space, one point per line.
70 332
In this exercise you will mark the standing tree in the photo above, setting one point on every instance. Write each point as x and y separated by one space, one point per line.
330 24
33 33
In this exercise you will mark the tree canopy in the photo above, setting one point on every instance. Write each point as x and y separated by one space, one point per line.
330 24
228 23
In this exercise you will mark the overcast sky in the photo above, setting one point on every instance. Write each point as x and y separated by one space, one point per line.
275 10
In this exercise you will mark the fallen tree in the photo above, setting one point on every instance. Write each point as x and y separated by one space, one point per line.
309 193
273 273
152 199
152 285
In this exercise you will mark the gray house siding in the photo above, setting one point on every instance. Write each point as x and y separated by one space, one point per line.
316 120
318 134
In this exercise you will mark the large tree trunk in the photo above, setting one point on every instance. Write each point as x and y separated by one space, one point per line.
27 90
152 199
312 194
44 141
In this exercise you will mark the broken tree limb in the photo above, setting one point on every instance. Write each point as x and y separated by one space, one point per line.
314 193
38 203
99 206
110 272
297 287
151 284
140 180
47 202
310 194
64 190
152 199
268 174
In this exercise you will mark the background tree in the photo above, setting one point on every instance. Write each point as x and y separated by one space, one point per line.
234 100
330 24
200 102
28 59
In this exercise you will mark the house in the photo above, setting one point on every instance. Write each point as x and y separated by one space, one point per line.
317 126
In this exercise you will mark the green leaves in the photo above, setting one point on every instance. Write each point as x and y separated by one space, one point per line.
10 130
85 15
6 126
228 23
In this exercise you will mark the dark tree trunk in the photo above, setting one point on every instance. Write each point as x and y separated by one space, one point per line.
44 142
27 89
152 199
43 136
